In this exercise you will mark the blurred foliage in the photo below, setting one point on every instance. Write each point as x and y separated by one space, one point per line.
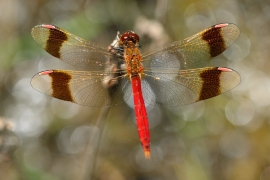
223 138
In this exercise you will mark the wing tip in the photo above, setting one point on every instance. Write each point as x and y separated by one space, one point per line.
236 78
233 27
221 25
48 26
45 72
224 69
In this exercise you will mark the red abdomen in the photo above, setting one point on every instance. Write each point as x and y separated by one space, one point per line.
141 115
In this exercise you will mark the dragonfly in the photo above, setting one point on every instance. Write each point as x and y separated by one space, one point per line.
171 75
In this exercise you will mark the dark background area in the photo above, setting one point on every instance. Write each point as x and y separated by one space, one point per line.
225 138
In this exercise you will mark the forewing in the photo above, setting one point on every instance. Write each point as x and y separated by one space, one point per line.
70 48
82 87
195 51
187 86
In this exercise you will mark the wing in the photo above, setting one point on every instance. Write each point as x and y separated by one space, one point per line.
83 87
195 51
174 88
70 48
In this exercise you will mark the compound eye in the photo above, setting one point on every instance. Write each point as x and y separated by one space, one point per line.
134 37
124 37
129 36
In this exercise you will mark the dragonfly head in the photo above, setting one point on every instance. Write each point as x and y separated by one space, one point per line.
129 36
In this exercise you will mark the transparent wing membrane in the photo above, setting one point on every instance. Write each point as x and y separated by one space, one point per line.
173 88
70 48
82 87
195 51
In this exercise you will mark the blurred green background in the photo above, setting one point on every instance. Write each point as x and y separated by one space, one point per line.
225 138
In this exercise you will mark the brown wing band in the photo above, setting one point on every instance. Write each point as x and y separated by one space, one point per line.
215 41
55 41
211 83
60 86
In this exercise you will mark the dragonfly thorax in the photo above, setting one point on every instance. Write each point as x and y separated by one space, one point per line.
133 60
